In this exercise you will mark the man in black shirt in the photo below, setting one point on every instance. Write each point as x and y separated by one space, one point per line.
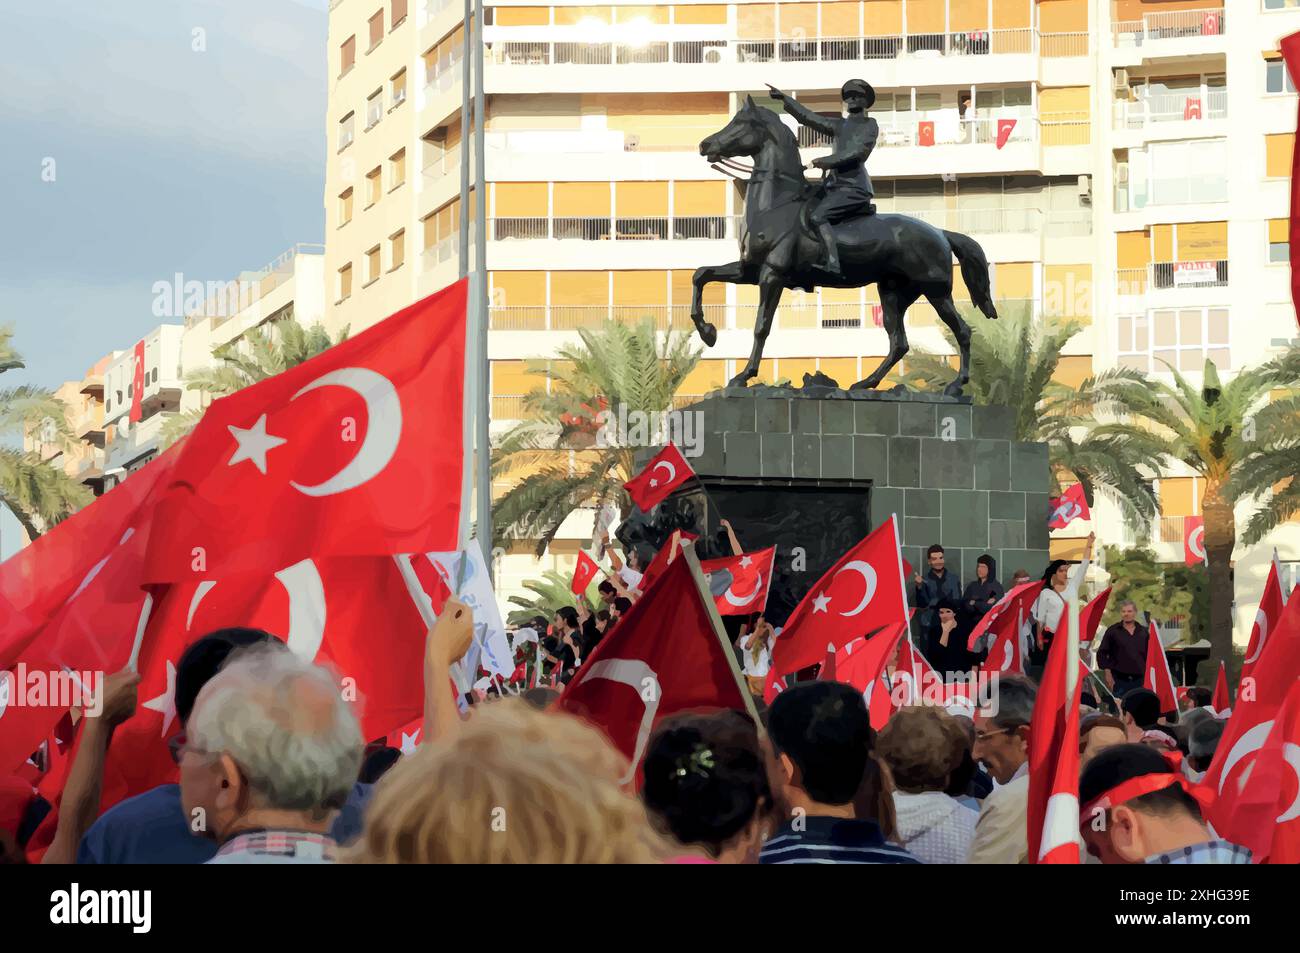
1123 652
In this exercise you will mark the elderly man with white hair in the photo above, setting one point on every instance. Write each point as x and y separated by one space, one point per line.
271 754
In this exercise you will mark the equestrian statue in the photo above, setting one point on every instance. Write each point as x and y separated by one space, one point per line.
800 234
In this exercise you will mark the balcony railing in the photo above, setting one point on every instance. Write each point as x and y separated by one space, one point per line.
1171 529
446 162
651 228
796 313
1172 107
939 129
239 294
1165 275
1177 24
530 52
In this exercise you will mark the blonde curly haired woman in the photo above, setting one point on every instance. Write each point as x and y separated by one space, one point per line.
510 785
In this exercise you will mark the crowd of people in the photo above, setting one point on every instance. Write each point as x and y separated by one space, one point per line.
273 767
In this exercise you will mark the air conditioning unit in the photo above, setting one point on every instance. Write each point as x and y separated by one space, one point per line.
1121 173
1121 81
715 54
631 142
1085 186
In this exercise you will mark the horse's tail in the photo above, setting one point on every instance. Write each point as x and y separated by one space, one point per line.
974 270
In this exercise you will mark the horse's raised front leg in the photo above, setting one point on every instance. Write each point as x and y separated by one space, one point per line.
733 273
770 287
961 331
894 302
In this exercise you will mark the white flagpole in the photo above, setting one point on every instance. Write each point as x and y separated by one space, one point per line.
483 419
1072 650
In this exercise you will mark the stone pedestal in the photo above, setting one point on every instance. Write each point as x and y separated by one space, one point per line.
820 472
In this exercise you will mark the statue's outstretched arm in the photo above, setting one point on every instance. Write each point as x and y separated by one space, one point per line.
807 117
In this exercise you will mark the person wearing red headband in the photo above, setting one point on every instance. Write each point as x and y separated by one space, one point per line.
1137 807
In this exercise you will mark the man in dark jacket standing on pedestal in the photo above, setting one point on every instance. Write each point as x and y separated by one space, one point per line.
937 584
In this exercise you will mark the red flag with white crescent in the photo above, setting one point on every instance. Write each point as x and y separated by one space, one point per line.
862 663
665 473
1255 711
1266 814
748 578
1068 507
663 657
1266 619
1052 810
1010 610
1193 540
584 570
356 452
863 591
1005 128
1158 678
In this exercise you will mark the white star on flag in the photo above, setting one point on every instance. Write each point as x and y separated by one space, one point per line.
253 444
654 482
166 702
745 561
409 742
821 602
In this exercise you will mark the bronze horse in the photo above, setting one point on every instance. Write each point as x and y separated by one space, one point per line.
905 256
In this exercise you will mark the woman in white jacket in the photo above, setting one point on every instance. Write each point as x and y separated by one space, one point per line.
922 746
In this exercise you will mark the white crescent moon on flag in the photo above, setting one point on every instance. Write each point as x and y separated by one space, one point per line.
869 579
1247 744
1291 752
94 570
6 683
741 601
306 592
632 673
1196 541
672 470
1261 622
1060 823
383 430
1008 657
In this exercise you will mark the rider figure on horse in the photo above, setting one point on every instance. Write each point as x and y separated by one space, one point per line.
848 191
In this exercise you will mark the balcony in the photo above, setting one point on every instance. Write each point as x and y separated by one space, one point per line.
796 314
1172 108
504 49
653 228
1160 29
1170 275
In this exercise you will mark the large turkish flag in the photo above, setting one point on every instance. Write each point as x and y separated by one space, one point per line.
357 452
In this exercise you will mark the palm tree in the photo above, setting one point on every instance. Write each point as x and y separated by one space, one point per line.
39 495
259 353
1013 360
1275 431
615 366
1213 431
549 593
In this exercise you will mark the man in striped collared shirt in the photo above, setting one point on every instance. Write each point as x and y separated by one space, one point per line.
822 737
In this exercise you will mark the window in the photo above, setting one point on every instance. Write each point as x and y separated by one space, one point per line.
1279 240
347 130
1181 338
348 54
1278 149
1281 4
399 88
372 264
345 282
396 249
398 14
1176 173
374 108
345 206
396 169
1276 78
376 30
374 186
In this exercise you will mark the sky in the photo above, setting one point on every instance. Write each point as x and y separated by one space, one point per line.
138 139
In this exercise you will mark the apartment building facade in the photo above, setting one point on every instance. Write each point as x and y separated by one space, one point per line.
1111 156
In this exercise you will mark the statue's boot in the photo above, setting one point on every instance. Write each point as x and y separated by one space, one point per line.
832 248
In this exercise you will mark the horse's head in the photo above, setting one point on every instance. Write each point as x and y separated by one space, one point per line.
745 135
